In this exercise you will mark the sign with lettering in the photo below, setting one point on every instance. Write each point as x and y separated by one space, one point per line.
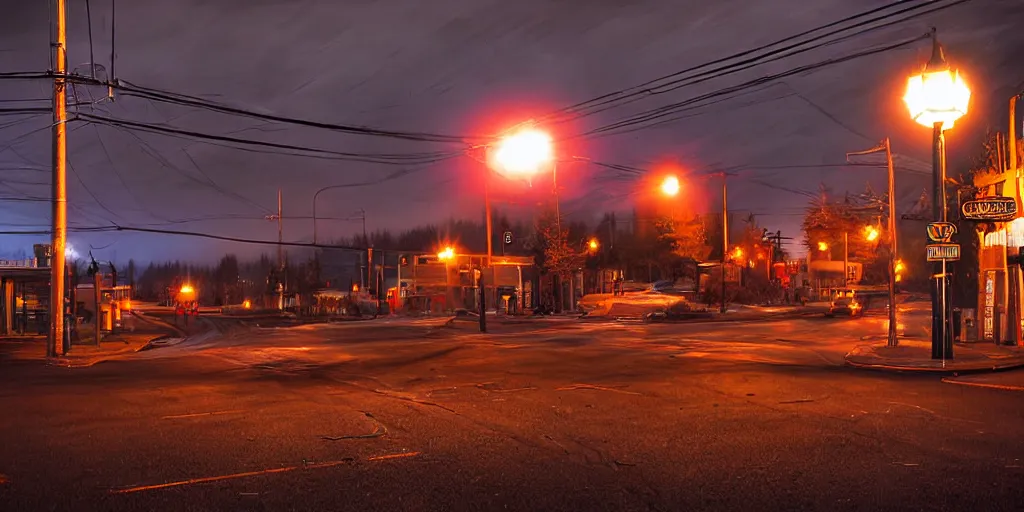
990 209
943 252
17 263
941 232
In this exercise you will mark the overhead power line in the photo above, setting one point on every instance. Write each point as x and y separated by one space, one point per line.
128 89
660 112
377 158
677 79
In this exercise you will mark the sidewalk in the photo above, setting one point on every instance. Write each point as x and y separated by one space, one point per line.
913 355
33 349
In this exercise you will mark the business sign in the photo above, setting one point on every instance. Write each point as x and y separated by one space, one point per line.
17 263
990 209
941 232
943 252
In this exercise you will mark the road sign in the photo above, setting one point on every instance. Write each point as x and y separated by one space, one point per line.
943 252
941 232
507 237
990 209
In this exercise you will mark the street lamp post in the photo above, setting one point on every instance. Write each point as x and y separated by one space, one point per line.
937 98
522 154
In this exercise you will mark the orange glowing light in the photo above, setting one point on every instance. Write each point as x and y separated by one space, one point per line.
822 246
186 288
870 233
670 186
446 254
737 253
592 244
246 304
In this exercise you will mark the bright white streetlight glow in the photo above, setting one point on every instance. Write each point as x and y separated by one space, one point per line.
670 186
524 153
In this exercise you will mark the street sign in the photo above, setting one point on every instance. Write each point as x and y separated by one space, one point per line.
941 232
507 237
990 209
943 252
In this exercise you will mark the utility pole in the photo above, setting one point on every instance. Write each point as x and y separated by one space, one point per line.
280 233
892 334
725 233
487 219
55 341
846 258
483 308
97 285
887 148
1013 274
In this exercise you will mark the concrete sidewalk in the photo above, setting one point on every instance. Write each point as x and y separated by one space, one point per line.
916 356
32 349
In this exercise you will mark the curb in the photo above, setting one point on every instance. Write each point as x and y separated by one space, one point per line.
947 370
1001 387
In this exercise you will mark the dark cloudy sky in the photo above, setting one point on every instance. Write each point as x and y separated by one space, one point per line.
464 67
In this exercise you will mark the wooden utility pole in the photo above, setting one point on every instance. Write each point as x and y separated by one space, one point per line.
725 233
280 233
97 285
892 339
55 341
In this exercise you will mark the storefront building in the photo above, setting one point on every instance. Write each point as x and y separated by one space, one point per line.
1000 234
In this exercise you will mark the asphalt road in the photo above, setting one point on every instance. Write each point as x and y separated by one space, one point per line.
536 415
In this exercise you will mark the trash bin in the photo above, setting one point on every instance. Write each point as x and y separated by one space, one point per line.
968 326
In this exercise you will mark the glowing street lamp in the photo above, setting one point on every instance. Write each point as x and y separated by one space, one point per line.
670 186
822 246
187 289
938 95
593 245
937 98
524 153
870 233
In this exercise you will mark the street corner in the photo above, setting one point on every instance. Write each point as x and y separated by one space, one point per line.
118 346
915 356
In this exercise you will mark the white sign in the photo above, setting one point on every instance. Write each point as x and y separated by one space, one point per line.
29 263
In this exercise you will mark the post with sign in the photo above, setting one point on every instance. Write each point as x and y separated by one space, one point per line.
941 250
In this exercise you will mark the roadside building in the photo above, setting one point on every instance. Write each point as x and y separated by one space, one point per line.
1000 234
25 305
431 283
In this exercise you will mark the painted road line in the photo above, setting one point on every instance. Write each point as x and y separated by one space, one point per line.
191 481
208 479
393 456
199 414
1004 387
